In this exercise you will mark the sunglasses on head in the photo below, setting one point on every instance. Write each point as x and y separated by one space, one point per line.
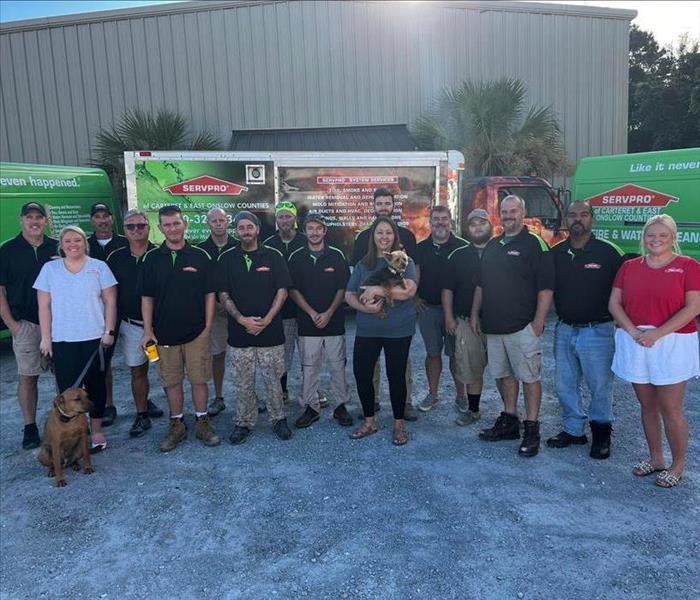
139 226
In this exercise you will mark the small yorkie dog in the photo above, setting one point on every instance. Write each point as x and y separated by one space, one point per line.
388 277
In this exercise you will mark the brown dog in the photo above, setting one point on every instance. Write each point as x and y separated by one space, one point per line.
66 435
388 277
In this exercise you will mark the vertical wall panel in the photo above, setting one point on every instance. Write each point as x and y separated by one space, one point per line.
308 63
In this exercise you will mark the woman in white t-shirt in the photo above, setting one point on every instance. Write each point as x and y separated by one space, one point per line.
77 298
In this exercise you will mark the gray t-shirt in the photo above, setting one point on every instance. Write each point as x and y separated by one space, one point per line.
77 310
401 318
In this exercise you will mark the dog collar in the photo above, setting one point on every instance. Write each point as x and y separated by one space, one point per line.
63 416
395 271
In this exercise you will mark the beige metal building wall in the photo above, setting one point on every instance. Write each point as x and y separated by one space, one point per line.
238 65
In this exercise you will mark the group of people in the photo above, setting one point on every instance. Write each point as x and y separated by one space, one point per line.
478 300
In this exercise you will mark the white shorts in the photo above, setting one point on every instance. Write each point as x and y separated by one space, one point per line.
218 341
672 359
130 341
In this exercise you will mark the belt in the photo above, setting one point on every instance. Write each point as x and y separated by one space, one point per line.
589 324
134 322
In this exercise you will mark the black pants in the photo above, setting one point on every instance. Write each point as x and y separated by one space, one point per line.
69 359
364 357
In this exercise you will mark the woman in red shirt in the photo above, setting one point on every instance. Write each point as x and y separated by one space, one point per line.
654 301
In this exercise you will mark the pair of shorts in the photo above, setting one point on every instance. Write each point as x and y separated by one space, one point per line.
193 356
130 337
470 353
516 355
672 359
218 341
431 323
25 345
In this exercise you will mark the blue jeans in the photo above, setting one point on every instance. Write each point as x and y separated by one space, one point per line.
584 353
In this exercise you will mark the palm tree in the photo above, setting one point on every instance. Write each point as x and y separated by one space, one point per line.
141 130
488 123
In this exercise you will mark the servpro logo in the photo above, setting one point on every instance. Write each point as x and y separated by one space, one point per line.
631 195
205 185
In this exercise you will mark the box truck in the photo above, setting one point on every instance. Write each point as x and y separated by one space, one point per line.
338 184
626 189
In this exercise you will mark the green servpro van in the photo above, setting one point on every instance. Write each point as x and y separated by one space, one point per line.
626 189
67 193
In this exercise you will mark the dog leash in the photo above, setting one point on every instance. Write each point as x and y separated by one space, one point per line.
99 350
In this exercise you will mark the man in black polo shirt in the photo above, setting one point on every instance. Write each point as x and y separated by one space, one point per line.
384 207
125 264
21 259
511 303
459 283
584 339
319 275
218 242
101 244
178 297
287 240
252 284
431 259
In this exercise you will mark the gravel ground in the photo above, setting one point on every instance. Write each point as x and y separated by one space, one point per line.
322 516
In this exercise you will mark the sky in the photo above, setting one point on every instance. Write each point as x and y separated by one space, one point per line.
666 20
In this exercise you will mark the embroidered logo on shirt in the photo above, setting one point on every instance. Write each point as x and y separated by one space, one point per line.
329 270
514 252
262 269
673 270
592 266
189 269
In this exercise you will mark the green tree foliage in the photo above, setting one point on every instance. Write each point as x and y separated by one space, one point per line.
142 130
498 134
664 94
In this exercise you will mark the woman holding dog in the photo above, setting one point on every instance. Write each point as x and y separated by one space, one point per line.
654 300
77 299
386 320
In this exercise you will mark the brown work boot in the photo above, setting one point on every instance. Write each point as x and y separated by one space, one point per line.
205 432
176 434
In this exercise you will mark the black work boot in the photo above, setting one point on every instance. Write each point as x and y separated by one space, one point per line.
507 427
307 418
600 447
531 439
564 440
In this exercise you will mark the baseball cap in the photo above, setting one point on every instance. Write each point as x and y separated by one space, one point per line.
315 217
98 206
478 213
32 206
286 205
245 215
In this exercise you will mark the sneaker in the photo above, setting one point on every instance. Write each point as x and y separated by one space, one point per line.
98 443
462 404
282 430
176 434
31 439
310 416
216 406
564 440
205 432
110 415
142 423
153 411
240 434
322 400
468 418
506 427
342 415
531 439
428 403
409 413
